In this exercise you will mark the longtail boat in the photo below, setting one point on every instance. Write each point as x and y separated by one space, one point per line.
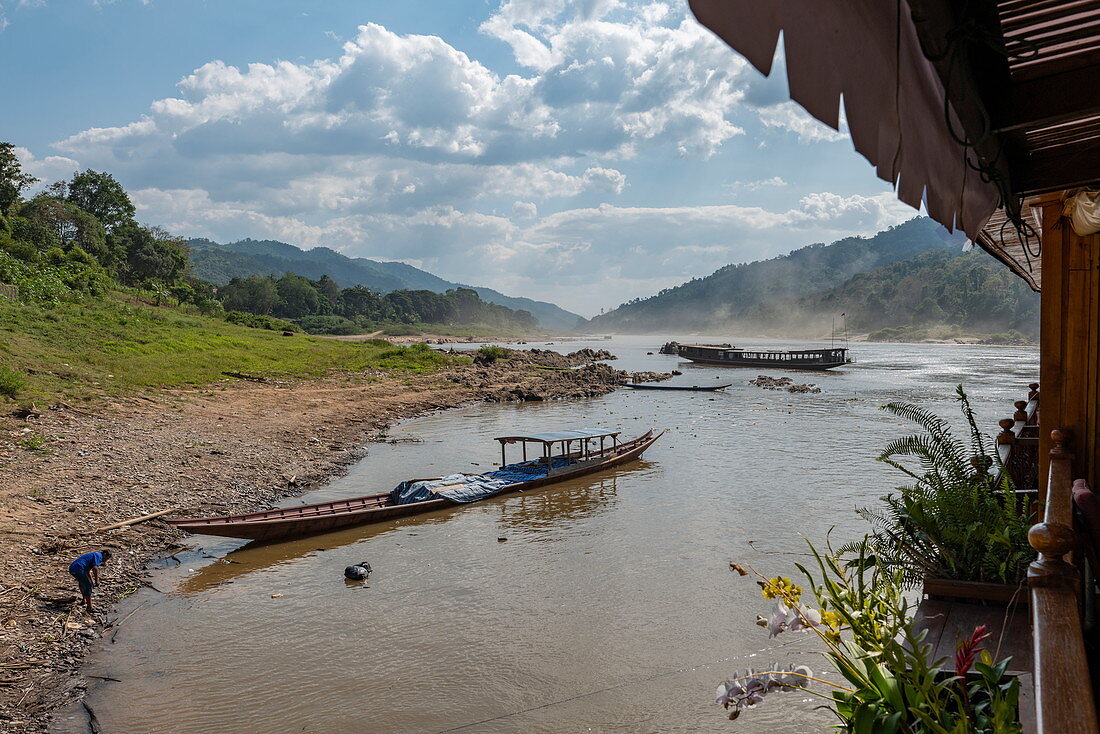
690 388
577 456
796 359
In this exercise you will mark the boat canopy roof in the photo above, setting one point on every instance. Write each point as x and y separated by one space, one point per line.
554 436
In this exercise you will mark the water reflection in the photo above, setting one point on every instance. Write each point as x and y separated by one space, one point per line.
553 506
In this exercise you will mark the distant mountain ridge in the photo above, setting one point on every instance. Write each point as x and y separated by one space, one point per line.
220 263
759 293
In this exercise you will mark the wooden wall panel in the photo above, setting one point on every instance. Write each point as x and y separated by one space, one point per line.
1069 371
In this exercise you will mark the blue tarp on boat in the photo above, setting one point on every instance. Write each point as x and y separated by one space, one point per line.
470 487
454 487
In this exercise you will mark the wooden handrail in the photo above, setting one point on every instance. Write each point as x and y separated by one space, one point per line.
1018 449
1063 689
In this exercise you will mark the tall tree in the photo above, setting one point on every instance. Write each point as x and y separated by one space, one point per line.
153 254
12 178
72 226
103 197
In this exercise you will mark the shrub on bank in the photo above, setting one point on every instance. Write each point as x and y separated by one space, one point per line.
259 321
328 324
415 358
11 383
491 353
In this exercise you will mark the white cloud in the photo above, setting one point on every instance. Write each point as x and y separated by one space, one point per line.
791 117
764 183
525 210
46 170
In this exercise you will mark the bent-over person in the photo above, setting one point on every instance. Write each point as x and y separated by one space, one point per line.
86 572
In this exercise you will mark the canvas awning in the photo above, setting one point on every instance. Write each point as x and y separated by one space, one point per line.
968 107
555 436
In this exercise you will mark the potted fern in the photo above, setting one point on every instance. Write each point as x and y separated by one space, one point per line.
956 527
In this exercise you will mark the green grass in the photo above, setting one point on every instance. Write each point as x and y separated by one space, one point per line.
115 347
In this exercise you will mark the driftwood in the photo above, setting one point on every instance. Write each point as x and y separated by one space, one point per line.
245 376
136 520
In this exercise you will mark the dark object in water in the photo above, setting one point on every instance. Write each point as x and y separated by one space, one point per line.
501 539
358 572
690 388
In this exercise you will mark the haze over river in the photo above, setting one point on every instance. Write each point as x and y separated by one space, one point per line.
617 582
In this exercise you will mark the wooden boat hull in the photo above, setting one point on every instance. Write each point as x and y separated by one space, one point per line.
818 366
686 388
325 517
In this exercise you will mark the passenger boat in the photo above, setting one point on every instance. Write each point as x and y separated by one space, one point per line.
692 388
578 456
796 359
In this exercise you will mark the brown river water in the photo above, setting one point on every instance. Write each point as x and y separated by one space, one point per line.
610 607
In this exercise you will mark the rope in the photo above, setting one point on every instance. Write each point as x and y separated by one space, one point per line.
617 686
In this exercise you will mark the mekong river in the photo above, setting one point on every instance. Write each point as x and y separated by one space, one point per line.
610 607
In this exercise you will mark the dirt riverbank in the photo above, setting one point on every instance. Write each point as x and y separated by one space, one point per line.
234 446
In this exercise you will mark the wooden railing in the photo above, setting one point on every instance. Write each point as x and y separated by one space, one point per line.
1063 689
1018 449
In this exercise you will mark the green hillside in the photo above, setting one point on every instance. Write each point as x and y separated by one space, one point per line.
752 293
970 291
220 263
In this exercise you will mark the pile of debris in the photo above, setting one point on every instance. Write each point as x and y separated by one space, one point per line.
783 383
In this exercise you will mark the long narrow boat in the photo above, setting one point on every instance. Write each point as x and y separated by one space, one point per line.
691 388
425 495
798 359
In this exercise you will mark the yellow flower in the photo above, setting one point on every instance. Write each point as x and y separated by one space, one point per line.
783 588
832 619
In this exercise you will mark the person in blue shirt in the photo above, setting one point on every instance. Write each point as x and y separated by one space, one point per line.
86 572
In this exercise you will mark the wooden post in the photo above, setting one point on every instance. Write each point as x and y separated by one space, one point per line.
1069 362
1063 688
502 461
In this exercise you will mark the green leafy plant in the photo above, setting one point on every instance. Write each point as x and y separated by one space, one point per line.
891 684
957 520
491 353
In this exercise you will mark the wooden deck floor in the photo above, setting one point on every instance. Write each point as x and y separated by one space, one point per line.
949 622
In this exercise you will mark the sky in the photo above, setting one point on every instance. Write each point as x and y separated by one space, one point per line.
585 152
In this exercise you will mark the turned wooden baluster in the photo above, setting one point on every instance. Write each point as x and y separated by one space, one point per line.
1063 690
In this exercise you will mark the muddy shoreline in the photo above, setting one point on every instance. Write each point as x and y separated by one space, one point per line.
233 446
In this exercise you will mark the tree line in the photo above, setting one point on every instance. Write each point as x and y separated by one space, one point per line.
80 237
321 306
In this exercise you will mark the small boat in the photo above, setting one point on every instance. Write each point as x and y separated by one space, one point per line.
690 388
417 496
795 359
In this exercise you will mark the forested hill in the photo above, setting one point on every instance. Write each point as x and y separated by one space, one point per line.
220 263
771 292
971 291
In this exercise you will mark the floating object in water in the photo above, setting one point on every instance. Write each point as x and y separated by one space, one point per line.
358 572
501 539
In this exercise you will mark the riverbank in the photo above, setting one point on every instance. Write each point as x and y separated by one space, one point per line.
231 446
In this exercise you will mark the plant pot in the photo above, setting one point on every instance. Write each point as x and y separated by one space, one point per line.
976 592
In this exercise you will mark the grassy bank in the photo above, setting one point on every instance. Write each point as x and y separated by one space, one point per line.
76 352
